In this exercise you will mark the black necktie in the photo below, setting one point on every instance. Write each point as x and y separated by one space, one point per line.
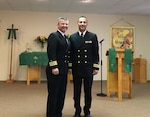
82 35
66 38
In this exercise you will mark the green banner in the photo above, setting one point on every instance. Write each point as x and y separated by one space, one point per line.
9 33
12 32
128 60
112 59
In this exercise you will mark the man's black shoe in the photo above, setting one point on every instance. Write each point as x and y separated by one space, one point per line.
87 115
77 115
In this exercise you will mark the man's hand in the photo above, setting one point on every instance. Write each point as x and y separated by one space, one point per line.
55 71
70 71
95 72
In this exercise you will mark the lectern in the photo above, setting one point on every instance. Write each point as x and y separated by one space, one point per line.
140 70
119 81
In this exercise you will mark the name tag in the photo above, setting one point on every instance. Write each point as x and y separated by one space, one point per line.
88 41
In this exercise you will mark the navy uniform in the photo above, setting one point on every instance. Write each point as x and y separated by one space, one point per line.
84 58
57 50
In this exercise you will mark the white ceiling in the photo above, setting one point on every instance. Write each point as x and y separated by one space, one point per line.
114 7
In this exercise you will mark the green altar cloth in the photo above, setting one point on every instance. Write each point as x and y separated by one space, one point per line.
112 59
33 58
128 60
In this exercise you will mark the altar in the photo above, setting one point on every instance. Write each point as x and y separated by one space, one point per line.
34 62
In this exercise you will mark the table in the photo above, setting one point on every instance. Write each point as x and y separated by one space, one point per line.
34 61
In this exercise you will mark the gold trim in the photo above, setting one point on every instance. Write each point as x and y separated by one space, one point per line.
96 65
53 63
70 64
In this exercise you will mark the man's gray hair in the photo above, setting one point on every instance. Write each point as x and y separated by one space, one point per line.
62 18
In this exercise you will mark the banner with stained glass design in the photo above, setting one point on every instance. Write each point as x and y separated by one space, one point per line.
122 37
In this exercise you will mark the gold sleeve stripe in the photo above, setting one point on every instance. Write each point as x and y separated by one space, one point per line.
96 65
53 63
70 64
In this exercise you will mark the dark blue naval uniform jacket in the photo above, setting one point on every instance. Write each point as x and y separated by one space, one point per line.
84 53
57 51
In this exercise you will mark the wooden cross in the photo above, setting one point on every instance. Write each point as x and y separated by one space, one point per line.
12 34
